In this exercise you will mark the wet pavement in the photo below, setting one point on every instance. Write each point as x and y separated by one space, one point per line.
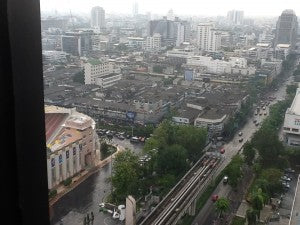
73 207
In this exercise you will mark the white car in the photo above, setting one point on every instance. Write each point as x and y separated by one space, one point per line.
240 133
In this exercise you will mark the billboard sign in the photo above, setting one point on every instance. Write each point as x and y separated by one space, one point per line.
130 115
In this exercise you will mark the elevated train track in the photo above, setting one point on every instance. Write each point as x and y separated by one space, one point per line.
176 202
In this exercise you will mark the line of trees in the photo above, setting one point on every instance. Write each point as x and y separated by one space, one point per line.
172 150
267 157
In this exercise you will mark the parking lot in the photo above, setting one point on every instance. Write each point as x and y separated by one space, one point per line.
285 206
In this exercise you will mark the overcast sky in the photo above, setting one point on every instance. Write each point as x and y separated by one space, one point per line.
180 7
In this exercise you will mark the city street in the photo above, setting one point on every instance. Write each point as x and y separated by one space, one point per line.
73 207
207 215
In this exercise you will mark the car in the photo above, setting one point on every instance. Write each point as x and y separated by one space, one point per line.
286 185
254 121
121 137
255 113
240 133
128 136
285 178
241 140
214 198
264 108
265 113
225 180
222 150
260 114
257 124
134 140
289 170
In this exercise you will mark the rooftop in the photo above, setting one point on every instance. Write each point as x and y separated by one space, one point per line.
64 138
52 122
94 62
295 107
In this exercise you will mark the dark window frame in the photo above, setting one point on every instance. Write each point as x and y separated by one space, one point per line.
24 165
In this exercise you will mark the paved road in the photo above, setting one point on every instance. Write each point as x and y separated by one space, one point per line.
207 215
85 198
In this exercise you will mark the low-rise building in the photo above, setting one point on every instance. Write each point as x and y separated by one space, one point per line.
291 127
72 143
108 80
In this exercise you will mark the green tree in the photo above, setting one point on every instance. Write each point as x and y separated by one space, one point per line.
222 206
249 153
157 69
104 149
125 177
79 77
234 170
251 216
193 139
257 201
272 176
172 160
266 141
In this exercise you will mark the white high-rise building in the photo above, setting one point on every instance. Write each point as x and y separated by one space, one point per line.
208 38
235 17
97 18
170 15
180 33
153 43
135 9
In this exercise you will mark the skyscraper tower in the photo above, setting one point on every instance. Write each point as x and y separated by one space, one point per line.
286 28
135 9
235 17
97 17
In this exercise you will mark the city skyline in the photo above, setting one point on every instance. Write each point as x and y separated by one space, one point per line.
190 7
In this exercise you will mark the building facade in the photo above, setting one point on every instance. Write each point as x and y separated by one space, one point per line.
236 17
208 38
291 127
286 28
72 143
98 18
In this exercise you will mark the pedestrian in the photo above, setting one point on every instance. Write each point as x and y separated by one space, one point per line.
88 218
92 216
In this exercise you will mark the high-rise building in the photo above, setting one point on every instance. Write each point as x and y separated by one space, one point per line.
97 18
236 17
78 43
286 28
135 9
153 43
182 31
164 27
208 38
170 15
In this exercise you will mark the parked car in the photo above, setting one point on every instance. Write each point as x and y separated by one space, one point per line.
214 198
240 133
225 180
289 170
134 140
285 178
222 150
241 139
121 137
265 113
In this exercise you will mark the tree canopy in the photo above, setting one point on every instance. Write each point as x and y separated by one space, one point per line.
125 177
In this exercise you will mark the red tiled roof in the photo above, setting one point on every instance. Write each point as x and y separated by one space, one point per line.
52 122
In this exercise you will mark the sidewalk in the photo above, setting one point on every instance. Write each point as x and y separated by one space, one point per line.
80 177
